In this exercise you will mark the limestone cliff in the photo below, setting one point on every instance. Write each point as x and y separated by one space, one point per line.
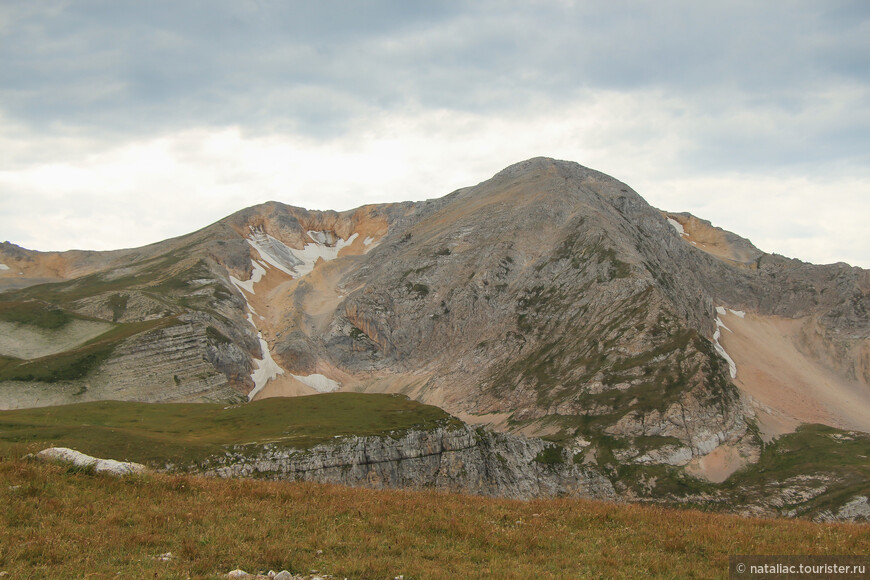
459 459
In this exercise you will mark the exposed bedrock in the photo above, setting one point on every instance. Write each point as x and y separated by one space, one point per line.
459 459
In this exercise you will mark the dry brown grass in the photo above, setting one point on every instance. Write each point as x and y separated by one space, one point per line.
64 524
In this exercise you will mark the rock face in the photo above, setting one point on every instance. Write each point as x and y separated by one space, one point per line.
454 459
176 362
855 510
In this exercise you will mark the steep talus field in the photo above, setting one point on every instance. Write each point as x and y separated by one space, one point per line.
662 352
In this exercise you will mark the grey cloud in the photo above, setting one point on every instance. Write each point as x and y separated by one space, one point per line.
134 68
148 64
824 129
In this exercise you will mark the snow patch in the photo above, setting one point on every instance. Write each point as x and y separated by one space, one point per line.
677 226
293 262
311 253
248 285
732 366
274 251
370 243
265 369
5 267
319 383
737 313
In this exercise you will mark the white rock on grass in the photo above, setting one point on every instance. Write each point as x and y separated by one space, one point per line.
282 575
242 575
81 460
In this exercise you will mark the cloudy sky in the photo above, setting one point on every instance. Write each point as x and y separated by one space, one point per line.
126 122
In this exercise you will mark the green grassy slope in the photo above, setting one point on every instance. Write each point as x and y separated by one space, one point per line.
35 313
185 433
839 460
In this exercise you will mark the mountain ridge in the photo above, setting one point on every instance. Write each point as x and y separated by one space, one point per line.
550 300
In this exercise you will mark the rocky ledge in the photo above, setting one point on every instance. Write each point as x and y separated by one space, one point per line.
448 458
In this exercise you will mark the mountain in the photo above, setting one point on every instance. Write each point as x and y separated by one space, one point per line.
550 300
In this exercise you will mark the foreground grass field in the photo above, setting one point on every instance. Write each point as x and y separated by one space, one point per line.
60 523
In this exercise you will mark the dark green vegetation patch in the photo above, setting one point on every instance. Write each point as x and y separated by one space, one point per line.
118 304
550 455
35 313
182 434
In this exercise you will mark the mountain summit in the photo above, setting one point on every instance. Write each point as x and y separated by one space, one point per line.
550 300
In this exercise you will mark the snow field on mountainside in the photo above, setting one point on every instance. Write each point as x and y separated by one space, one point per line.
298 262
677 226
295 263
732 366
318 382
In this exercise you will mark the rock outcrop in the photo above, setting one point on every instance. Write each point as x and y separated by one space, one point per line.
457 459
856 509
